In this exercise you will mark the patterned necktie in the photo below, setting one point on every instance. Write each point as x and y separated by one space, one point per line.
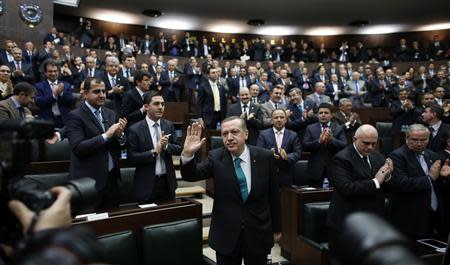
98 115
241 178
245 108
113 81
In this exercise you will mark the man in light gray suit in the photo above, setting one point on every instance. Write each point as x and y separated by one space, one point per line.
318 97
16 106
356 90
273 103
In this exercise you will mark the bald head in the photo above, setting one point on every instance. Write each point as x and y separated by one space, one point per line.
365 139
366 130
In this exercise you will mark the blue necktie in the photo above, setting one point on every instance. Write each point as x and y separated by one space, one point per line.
241 178
423 164
356 88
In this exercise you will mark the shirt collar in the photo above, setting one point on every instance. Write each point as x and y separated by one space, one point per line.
245 156
140 91
150 122
436 126
52 82
354 146
110 76
275 131
16 103
91 108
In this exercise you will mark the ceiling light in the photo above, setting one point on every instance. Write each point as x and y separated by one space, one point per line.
113 16
225 28
325 31
152 13
256 22
174 22
359 23
437 26
381 29
276 31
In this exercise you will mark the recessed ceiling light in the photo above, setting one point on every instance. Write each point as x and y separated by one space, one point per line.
256 22
152 13
359 23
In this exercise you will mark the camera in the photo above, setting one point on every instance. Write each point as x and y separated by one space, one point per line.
16 138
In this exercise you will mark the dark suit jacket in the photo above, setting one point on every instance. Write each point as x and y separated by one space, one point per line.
27 70
169 87
205 103
401 116
84 74
191 77
435 143
253 125
296 121
350 130
291 144
139 152
116 98
317 78
354 189
233 86
330 91
260 214
319 163
411 201
379 95
89 151
131 107
144 45
45 100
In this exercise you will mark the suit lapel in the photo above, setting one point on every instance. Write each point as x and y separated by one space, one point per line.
137 97
253 171
229 166
285 139
13 110
147 136
92 117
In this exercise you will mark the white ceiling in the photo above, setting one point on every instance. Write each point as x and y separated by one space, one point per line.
283 17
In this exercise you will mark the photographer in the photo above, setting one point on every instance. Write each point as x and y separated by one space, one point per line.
46 236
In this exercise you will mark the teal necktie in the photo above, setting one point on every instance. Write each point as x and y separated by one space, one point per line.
241 178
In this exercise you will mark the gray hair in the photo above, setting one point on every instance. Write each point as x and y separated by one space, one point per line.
342 101
416 127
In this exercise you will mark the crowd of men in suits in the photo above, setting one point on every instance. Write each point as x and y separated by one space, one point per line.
257 49
278 109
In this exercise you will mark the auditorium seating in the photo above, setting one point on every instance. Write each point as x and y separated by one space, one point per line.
293 203
311 245
171 243
58 151
119 248
300 173
386 145
169 233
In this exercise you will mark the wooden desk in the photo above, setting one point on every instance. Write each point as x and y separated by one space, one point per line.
292 201
134 218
